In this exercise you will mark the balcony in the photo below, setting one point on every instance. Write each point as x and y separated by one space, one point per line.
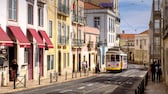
90 44
77 42
78 19
63 10
81 20
62 40
75 18
117 20
100 43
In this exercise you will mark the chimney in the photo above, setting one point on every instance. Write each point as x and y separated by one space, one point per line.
123 32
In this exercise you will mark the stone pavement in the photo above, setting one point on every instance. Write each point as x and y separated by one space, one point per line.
43 82
156 88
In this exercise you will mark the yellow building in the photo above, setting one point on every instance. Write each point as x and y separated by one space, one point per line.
63 31
52 33
58 30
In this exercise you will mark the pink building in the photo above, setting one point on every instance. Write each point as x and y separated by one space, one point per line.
90 50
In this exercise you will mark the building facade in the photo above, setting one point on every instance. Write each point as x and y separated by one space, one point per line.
142 48
91 39
127 44
63 24
24 23
51 24
165 41
107 21
77 34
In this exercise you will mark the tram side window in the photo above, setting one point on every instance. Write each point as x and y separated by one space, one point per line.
117 58
125 58
112 57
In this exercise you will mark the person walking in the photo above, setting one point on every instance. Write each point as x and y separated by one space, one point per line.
153 70
97 68
14 69
158 72
84 66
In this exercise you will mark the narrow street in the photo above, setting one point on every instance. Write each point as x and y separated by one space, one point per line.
104 83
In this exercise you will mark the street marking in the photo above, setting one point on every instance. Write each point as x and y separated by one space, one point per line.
65 91
90 85
81 87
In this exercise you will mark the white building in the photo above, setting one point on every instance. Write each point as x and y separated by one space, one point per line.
106 19
24 22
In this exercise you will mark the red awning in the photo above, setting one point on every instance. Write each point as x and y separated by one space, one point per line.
37 37
19 35
4 39
47 39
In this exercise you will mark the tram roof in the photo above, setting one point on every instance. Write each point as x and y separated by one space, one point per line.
116 53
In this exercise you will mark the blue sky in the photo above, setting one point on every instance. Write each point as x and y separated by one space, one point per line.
134 15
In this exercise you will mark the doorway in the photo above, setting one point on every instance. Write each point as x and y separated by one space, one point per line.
79 63
41 64
73 61
89 61
30 63
12 55
59 62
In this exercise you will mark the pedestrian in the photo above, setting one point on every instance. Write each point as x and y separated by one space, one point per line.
158 72
14 69
84 66
97 68
153 70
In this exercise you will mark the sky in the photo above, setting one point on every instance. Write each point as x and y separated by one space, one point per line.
134 15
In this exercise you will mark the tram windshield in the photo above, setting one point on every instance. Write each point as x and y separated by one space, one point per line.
112 57
117 58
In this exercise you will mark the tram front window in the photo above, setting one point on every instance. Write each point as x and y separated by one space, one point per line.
117 58
112 57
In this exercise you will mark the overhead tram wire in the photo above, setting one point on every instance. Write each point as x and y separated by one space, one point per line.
129 25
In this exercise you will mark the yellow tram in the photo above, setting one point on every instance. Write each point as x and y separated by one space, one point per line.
116 60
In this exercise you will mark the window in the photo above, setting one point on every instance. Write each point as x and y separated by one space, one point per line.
50 28
40 16
64 27
30 14
59 28
145 42
50 62
59 32
68 32
12 12
26 56
79 34
109 25
68 58
96 22
64 60
157 24
59 4
117 58
112 57
112 25
137 42
109 38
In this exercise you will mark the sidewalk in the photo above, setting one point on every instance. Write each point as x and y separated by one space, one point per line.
44 82
156 88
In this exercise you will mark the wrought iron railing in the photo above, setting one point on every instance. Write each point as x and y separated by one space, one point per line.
63 9
62 40
77 42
